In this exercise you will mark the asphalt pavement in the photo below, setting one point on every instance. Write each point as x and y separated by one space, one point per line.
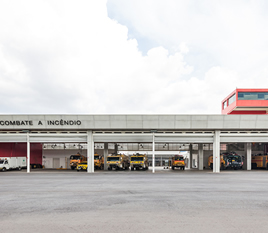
134 201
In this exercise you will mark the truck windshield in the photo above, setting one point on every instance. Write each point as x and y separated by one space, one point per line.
113 158
76 157
1 161
178 158
136 158
83 163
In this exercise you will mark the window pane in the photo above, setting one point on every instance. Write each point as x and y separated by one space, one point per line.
231 99
224 104
252 95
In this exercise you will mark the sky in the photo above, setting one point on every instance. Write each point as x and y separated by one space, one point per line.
129 56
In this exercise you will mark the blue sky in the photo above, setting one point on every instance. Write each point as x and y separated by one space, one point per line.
118 56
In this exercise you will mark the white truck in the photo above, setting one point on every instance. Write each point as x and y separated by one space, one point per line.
8 163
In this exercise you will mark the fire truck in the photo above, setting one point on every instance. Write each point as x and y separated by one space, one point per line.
117 162
75 159
178 161
259 161
98 162
138 161
234 160
223 161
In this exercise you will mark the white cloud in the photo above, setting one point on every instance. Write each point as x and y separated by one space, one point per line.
70 57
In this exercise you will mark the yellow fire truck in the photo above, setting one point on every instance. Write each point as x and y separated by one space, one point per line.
118 162
138 161
75 159
223 161
259 161
178 161
98 162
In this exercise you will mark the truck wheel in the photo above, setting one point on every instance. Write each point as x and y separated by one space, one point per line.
4 169
19 168
78 170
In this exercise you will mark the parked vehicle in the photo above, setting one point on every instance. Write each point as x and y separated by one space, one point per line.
234 160
9 163
178 161
139 161
119 161
98 162
223 161
259 161
81 166
228 160
75 159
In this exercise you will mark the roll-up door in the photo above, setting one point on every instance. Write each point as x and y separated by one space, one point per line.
229 137
122 138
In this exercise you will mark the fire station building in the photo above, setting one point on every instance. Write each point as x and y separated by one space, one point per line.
49 140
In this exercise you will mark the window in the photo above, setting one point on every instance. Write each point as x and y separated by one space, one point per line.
231 99
252 95
113 158
136 159
224 104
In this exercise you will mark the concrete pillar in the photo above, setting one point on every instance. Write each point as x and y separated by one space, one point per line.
105 154
249 156
191 155
28 153
216 152
200 157
115 148
90 152
153 155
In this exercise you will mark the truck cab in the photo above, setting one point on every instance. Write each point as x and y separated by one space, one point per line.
178 161
117 162
75 159
139 161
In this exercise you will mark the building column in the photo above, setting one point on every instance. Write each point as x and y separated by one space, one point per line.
191 156
115 148
216 152
153 155
90 152
105 154
200 157
249 156
28 152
